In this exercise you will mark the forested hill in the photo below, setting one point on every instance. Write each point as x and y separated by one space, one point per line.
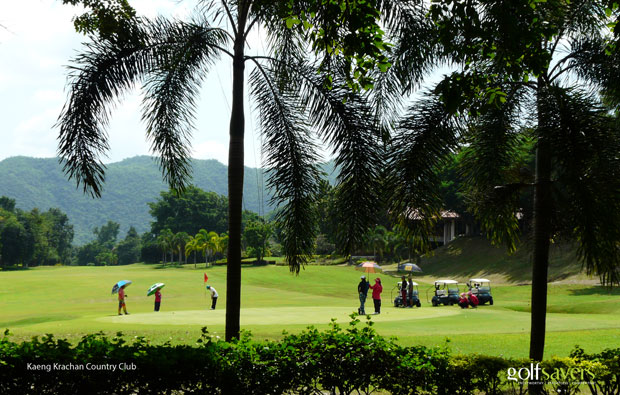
129 185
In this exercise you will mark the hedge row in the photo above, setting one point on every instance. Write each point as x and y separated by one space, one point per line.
354 359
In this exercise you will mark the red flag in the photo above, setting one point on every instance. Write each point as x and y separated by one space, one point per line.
206 277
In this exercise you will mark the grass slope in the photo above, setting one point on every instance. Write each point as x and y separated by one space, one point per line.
72 301
470 257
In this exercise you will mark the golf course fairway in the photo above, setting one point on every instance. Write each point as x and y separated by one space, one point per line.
71 301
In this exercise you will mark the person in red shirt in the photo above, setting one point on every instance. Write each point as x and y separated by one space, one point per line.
403 291
121 301
376 294
157 299
473 300
463 302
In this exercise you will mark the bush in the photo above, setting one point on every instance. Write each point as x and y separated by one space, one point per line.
343 360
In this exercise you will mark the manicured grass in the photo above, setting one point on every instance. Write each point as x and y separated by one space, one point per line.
72 301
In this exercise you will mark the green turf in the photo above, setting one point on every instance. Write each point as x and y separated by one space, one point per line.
72 301
469 257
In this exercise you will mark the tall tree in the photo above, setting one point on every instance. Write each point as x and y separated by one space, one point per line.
107 234
128 250
552 59
7 204
165 241
256 238
171 58
60 233
16 242
189 212
178 241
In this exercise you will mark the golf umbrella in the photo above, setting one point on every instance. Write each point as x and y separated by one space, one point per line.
369 267
410 267
154 288
119 284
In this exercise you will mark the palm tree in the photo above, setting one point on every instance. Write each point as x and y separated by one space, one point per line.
211 243
289 85
378 240
565 46
202 243
191 247
164 241
179 241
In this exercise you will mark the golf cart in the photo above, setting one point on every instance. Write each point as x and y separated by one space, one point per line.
446 293
481 287
414 297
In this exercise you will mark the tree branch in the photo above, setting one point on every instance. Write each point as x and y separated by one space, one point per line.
230 17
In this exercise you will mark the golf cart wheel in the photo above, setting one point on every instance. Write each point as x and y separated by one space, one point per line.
491 301
434 303
419 304
451 303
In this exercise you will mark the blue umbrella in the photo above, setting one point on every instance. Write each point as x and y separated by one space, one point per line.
119 284
410 267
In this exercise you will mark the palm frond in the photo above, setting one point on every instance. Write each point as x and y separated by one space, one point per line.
186 52
587 142
488 168
416 51
293 174
596 61
424 138
104 72
100 75
345 122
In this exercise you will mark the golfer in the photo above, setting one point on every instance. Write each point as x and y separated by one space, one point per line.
410 292
403 291
362 290
121 301
157 299
376 294
214 296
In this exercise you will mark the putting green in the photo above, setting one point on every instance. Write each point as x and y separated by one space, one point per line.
270 316
70 302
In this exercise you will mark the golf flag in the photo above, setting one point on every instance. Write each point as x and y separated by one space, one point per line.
206 278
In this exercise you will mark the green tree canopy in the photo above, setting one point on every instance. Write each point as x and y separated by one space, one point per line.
256 238
107 234
554 60
190 212
128 250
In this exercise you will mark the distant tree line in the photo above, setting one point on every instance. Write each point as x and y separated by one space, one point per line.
32 238
192 225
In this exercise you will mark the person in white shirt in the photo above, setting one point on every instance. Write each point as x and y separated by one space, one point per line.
214 296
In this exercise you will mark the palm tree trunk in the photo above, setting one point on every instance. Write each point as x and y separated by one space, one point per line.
543 206
235 186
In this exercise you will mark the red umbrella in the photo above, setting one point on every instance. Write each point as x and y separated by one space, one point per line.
369 267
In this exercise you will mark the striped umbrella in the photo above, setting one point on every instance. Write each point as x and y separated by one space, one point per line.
369 267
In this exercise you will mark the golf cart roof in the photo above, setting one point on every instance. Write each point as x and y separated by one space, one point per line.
446 282
414 283
479 280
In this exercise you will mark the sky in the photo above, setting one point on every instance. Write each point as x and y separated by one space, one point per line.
37 43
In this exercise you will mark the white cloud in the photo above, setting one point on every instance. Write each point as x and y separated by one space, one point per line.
48 95
41 41
211 150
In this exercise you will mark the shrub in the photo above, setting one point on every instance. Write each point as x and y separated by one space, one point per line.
342 359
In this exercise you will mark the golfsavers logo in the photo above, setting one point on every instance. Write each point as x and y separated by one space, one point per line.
534 373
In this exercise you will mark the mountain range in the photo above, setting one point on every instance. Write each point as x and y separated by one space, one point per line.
130 184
